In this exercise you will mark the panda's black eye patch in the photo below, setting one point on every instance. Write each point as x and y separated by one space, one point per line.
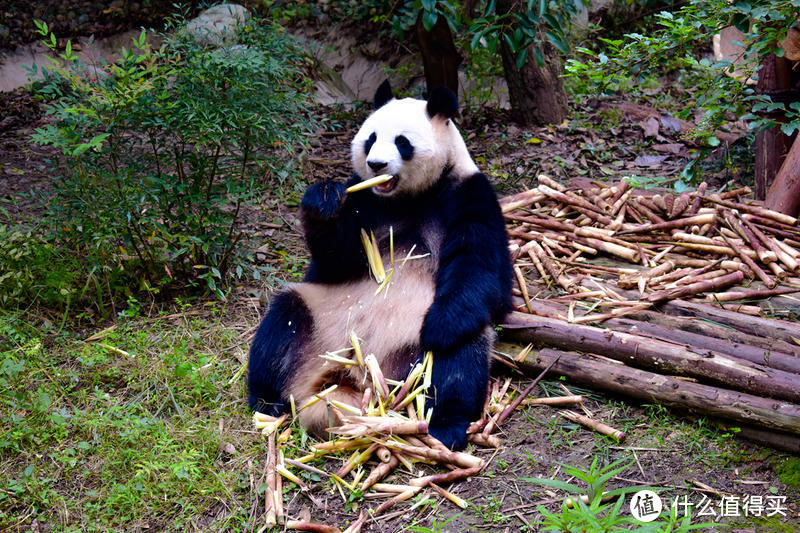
405 147
369 142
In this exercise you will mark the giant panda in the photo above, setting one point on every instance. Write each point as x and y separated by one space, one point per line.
440 206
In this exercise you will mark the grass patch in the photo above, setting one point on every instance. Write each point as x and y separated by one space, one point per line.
138 429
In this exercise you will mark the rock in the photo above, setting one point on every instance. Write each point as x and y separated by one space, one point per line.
216 26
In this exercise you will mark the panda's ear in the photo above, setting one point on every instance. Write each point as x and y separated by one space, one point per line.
383 94
443 102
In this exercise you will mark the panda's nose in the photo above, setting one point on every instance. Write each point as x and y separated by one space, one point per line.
376 165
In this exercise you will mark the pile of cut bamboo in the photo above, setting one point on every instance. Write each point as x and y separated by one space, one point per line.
658 275
390 429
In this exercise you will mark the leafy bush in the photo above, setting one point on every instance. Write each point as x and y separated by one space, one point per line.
166 148
620 66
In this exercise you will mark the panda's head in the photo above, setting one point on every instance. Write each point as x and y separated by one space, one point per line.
413 140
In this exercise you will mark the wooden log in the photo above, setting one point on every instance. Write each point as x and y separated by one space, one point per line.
765 333
768 328
783 195
734 373
698 342
668 391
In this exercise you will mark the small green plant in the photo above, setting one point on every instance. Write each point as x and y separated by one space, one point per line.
166 150
436 527
602 510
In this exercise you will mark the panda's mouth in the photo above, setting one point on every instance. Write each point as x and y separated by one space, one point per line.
387 187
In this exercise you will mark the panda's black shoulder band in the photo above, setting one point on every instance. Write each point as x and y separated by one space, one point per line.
383 94
442 101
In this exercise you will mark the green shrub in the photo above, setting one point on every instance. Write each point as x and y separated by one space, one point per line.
165 150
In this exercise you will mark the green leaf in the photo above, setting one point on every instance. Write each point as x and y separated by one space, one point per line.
555 483
522 56
429 19
789 128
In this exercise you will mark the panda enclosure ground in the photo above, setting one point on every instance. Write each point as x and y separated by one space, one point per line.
146 426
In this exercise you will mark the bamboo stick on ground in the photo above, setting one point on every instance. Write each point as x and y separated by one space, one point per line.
691 289
380 471
455 458
312 527
768 281
753 294
554 400
269 493
523 199
447 477
600 427
567 199
672 224
764 255
756 210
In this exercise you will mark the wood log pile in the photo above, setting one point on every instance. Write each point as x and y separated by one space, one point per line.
650 296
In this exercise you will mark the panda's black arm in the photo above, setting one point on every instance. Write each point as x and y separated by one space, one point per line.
331 226
473 282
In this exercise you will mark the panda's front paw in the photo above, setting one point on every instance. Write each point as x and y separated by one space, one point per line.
323 200
452 432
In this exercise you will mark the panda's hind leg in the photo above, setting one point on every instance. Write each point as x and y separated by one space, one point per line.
460 380
273 356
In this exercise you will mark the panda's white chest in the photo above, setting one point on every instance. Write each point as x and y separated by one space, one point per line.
385 320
